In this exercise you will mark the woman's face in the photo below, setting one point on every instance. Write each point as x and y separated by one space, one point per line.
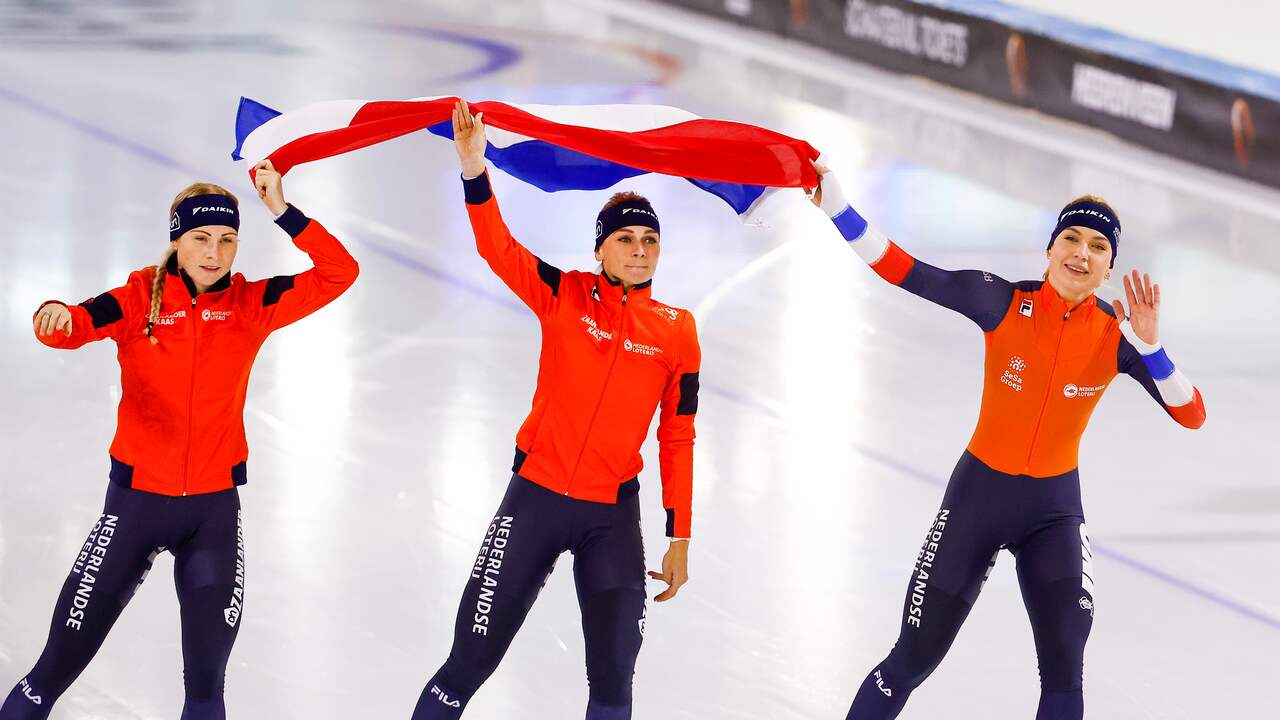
630 254
206 253
1079 261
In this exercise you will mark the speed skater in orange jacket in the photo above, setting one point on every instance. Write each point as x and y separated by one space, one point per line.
611 357
186 342
1052 349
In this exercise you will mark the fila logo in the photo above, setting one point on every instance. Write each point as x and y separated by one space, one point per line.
888 692
26 692
174 222
1025 309
443 697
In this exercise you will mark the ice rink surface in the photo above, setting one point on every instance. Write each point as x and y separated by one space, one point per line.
833 407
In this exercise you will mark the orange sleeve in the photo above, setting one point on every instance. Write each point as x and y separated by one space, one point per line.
109 315
286 299
536 283
676 433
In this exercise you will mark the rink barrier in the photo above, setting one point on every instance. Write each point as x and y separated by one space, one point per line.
1194 108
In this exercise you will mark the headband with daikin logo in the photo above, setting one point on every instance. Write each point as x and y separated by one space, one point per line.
202 210
1093 216
628 212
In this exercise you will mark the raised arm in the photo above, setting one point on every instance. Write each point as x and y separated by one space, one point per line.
1141 356
982 297
675 456
288 298
535 282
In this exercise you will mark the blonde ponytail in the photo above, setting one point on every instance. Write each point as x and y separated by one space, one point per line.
162 270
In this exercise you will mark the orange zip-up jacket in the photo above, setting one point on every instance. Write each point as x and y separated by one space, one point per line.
180 429
609 359
1047 364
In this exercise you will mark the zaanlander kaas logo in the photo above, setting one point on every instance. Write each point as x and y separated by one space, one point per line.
1013 374
1071 390
218 315
640 349
171 318
594 330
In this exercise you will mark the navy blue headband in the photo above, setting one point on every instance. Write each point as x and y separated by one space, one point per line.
1093 216
628 212
202 210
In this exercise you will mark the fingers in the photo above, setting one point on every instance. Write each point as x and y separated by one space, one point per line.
1156 294
1147 289
1128 292
64 324
1119 308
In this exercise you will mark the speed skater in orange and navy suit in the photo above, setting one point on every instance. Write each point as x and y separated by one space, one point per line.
186 333
611 356
1052 348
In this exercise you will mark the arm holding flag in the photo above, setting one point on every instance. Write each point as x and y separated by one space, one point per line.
535 282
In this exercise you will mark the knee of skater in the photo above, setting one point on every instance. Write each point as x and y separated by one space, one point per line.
203 685
610 685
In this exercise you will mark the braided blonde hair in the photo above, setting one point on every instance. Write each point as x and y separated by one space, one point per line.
162 270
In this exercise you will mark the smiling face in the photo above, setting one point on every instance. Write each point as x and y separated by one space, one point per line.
630 254
206 253
1079 260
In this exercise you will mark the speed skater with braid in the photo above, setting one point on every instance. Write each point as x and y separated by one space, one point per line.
187 332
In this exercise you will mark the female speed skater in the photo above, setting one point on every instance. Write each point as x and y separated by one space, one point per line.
611 355
187 332
1052 348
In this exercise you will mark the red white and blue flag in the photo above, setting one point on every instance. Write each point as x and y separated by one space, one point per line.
552 147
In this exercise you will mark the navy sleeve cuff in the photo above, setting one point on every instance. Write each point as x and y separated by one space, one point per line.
293 221
477 189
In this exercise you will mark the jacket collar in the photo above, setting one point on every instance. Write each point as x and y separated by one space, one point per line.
1053 302
609 291
177 274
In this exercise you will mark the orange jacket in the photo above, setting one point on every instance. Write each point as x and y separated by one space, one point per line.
608 361
1046 365
181 424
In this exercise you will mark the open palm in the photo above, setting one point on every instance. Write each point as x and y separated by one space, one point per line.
1144 307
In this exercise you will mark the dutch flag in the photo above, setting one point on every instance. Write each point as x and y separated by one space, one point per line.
552 147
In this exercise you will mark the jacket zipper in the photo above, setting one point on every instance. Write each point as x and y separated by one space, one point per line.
191 390
617 347
1048 388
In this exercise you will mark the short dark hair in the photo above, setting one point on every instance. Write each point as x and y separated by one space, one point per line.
626 196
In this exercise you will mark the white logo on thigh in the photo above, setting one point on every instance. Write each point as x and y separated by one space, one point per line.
444 698
1086 604
232 613
644 612
26 692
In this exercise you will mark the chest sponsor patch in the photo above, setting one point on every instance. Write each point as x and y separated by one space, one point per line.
641 349
666 313
171 318
1025 308
1071 390
1013 373
215 315
594 330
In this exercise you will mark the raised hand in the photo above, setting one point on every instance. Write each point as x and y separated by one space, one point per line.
828 194
270 189
469 139
1144 307
52 318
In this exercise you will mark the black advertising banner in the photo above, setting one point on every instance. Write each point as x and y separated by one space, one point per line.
1174 112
